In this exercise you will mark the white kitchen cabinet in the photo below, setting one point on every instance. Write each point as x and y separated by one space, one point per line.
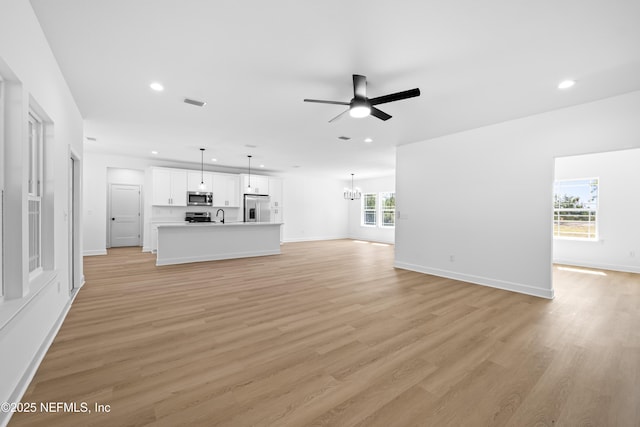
169 187
259 184
226 190
195 178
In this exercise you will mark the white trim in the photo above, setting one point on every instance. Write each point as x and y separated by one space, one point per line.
478 280
11 308
27 377
94 252
599 266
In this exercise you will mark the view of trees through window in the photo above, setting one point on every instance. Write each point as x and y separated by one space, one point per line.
388 207
369 209
575 208
379 209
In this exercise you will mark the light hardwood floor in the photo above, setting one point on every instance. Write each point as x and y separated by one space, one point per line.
329 333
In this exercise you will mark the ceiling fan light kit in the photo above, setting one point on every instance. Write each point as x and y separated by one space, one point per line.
361 106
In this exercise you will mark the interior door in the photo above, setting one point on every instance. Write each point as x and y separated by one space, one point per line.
125 215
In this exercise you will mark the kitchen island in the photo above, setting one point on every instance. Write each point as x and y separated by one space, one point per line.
185 242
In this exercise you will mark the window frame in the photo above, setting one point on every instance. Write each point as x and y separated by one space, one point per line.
379 210
364 210
35 192
595 207
384 196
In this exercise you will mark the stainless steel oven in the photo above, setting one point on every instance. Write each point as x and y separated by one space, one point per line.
199 198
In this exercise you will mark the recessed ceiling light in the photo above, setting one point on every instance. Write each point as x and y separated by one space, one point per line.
154 152
368 140
261 166
566 84
214 160
156 86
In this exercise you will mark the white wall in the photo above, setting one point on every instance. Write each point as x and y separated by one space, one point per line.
313 208
360 232
618 245
29 319
458 195
99 169
95 189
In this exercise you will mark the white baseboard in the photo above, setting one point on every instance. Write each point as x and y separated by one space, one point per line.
312 239
484 281
601 266
94 252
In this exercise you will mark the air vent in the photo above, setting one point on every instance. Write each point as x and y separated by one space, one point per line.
194 102
344 138
90 138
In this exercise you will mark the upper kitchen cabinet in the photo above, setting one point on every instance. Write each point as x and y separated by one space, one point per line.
259 184
169 187
195 178
226 190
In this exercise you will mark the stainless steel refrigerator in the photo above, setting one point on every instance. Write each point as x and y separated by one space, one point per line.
257 208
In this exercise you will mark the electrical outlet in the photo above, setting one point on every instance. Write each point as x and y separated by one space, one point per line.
632 254
452 258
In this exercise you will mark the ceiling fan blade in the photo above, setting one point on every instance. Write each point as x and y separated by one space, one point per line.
326 102
339 115
359 86
395 96
379 114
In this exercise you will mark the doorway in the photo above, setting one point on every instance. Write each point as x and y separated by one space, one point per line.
75 258
124 215
602 230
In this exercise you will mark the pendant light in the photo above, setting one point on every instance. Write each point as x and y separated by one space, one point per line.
202 185
353 193
248 190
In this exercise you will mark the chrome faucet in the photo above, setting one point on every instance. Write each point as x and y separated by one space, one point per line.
222 214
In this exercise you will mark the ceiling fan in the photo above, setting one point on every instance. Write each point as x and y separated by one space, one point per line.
361 106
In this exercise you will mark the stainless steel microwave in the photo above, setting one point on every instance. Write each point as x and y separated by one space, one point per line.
199 198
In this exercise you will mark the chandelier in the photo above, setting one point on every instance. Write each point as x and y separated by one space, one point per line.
353 193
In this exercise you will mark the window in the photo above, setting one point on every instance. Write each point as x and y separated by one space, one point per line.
369 209
380 215
575 209
34 189
388 209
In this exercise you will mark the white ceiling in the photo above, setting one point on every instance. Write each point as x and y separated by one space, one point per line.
253 62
